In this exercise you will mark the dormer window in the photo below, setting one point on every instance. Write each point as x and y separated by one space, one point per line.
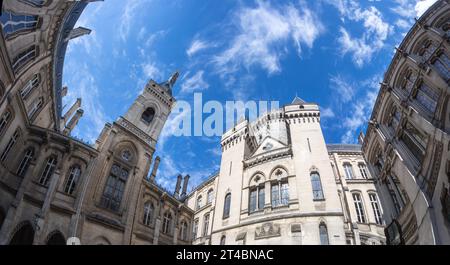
148 115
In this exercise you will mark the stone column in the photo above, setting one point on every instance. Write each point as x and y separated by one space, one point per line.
356 234
73 122
70 112
178 186
185 184
155 169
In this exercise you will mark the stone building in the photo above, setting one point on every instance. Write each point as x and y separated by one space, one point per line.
407 144
279 183
53 186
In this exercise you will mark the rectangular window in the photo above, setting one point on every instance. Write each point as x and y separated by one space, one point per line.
31 84
359 208
280 193
363 171
442 64
415 141
376 208
48 171
205 225
34 108
16 23
9 146
253 199
195 229
348 169
257 199
427 97
24 58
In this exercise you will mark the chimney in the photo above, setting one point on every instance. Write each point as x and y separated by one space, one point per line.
155 169
185 184
178 186
73 122
70 112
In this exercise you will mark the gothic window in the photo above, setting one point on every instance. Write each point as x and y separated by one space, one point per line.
35 106
74 176
25 163
223 240
427 97
363 170
257 198
442 64
359 207
114 188
415 141
47 173
376 208
199 202
427 49
29 86
183 231
316 186
227 205
210 196
10 145
195 229
323 233
408 80
167 223
16 23
148 213
280 193
348 169
148 115
24 57
4 120
205 224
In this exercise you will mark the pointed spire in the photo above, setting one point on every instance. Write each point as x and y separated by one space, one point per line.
298 100
171 82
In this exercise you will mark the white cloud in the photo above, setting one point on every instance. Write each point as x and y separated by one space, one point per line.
128 16
343 89
371 41
196 46
151 71
327 113
422 6
194 83
263 33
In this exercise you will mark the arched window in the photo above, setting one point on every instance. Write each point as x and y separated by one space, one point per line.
442 64
47 173
408 80
183 231
72 180
210 196
223 240
148 115
226 206
29 86
427 49
25 163
205 225
348 169
148 213
316 186
376 208
195 230
427 97
323 233
415 141
4 121
359 207
10 145
167 223
363 170
114 188
257 198
199 202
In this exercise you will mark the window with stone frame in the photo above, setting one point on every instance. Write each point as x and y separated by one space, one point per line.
195 229
167 223
394 118
408 80
210 196
148 213
348 170
24 57
72 180
316 186
49 169
256 198
415 141
280 193
30 86
376 208
183 234
34 3
199 202
323 234
14 24
427 48
35 107
205 225
427 97
359 207
10 145
5 120
441 62
363 170
227 205
148 115
25 162
114 188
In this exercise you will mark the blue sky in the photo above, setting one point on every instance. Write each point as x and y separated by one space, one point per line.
331 52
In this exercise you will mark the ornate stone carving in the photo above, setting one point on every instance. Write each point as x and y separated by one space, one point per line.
267 230
135 130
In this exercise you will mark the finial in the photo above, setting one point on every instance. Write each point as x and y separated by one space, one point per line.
173 79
